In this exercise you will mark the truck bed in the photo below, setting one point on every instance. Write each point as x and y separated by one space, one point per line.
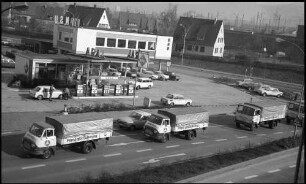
80 127
186 118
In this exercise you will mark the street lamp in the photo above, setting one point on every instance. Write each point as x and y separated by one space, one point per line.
303 131
185 34
22 7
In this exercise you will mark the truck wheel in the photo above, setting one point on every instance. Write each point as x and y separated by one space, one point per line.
47 154
40 97
87 147
188 104
132 128
189 135
237 125
164 138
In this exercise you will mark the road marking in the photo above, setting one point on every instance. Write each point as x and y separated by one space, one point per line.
172 146
154 160
181 154
249 177
143 150
126 143
76 160
261 134
241 137
292 166
273 171
6 133
110 155
221 140
198 143
34 166
229 182
278 132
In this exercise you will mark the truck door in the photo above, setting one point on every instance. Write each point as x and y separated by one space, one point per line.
167 127
256 118
48 138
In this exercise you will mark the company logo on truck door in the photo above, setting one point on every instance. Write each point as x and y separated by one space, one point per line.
82 138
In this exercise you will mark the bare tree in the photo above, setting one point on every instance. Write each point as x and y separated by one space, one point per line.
168 20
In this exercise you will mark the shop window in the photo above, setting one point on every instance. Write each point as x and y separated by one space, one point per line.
51 71
151 45
132 44
202 49
40 71
111 42
100 41
121 43
141 45
189 47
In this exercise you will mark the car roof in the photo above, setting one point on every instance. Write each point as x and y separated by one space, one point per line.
175 94
144 78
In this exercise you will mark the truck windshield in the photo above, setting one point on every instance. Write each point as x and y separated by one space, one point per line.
246 110
36 130
156 120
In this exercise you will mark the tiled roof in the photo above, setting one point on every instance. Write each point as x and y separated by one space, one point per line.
89 16
140 21
198 28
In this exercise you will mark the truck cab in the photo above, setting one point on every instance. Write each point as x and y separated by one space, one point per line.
39 139
158 126
293 112
247 115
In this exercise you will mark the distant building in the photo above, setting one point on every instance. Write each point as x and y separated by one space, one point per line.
89 16
300 32
137 22
204 36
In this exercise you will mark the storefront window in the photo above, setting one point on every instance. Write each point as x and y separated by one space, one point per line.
141 45
100 41
95 70
121 43
111 42
40 71
51 71
61 70
132 44
151 45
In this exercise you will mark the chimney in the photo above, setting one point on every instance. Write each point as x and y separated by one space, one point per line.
215 20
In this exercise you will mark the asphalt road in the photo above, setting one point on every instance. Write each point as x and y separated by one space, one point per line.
126 150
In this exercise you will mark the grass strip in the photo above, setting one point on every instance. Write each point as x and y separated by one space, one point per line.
174 172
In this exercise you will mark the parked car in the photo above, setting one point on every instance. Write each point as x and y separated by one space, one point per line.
246 83
269 91
172 76
113 72
135 120
160 76
259 86
7 62
142 83
148 72
175 99
40 92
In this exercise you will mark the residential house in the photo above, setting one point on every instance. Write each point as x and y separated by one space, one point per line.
137 22
203 36
89 16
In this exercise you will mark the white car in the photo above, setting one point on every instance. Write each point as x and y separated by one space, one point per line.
40 92
270 91
175 99
142 82
135 120
113 72
162 76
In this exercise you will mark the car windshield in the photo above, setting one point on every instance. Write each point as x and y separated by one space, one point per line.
36 89
169 96
135 115
156 119
36 130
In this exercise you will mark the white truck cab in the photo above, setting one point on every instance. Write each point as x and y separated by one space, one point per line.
158 126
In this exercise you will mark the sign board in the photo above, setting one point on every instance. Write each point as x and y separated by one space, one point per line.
147 102
73 22
163 47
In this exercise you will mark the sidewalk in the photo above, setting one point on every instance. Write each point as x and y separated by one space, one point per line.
258 165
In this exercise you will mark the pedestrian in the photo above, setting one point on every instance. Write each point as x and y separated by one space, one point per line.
51 91
66 93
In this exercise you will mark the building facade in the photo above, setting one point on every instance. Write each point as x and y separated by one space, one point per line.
203 37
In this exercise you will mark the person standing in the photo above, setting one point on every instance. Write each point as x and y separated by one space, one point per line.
51 91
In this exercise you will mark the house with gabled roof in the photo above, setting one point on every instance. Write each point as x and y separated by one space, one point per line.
137 22
89 16
203 36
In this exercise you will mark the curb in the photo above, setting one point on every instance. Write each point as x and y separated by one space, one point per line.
200 178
